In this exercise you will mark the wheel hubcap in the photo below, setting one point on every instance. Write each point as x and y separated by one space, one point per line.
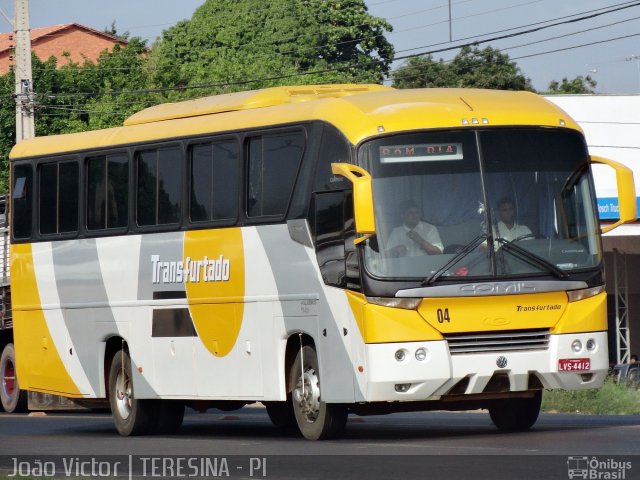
307 397
8 378
124 395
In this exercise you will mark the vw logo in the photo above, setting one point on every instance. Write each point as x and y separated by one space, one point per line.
501 362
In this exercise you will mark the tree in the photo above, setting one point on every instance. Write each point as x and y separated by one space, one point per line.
472 67
7 127
113 31
246 44
225 41
579 85
423 72
78 97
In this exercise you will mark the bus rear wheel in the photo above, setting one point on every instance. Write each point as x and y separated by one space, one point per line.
131 416
516 414
317 420
13 399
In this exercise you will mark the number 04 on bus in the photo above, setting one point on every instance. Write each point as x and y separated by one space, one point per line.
324 250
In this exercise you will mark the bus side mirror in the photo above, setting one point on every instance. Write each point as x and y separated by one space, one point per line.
362 195
626 192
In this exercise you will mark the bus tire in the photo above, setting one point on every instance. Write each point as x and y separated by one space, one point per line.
12 398
131 416
281 414
516 414
170 416
317 420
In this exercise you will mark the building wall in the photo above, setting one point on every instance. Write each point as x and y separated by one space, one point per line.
80 43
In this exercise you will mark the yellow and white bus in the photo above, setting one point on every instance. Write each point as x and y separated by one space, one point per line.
320 249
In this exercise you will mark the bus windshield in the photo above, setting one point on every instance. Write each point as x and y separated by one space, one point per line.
481 203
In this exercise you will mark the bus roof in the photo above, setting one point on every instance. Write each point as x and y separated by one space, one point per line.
359 111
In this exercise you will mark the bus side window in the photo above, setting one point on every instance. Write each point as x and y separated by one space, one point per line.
58 189
159 186
107 192
214 169
22 201
274 161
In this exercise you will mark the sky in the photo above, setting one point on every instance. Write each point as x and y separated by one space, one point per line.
423 26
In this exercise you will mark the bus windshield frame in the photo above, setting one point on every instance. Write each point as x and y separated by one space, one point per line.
481 204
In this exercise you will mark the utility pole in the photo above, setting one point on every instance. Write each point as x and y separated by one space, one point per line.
25 127
450 34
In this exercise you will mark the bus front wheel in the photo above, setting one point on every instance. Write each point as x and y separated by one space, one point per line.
131 416
12 398
316 419
516 414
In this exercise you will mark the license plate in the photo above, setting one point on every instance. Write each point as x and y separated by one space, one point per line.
574 364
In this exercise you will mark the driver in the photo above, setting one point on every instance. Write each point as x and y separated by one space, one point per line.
414 237
507 228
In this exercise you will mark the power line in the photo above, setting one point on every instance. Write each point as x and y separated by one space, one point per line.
517 34
592 14
345 67
80 110
208 50
569 34
486 12
305 73
417 67
576 46
620 6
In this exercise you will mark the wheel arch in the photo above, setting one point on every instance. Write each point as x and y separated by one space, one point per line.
293 346
112 346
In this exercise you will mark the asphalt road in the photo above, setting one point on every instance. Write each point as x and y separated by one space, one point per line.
244 444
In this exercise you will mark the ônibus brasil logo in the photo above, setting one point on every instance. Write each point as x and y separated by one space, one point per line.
596 468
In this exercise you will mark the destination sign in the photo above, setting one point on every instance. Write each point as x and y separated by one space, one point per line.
425 152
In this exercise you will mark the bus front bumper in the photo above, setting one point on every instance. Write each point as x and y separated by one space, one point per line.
391 376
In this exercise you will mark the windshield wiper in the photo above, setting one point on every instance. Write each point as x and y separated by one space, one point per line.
468 248
531 257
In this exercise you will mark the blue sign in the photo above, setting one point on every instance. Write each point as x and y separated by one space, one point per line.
608 208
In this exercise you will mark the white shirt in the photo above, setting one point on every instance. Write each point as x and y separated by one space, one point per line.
427 231
510 234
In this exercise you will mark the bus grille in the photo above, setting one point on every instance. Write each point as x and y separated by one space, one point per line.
498 342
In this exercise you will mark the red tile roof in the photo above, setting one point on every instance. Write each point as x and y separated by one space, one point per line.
7 40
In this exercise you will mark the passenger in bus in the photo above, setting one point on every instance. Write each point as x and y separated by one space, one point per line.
414 237
507 227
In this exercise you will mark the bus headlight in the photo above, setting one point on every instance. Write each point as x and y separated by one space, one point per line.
421 354
400 355
406 303
576 346
577 295
591 344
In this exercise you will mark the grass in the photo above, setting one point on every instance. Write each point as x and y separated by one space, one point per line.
611 399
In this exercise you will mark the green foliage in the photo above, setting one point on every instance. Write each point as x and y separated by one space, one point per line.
471 68
611 399
579 85
226 41
78 97
113 31
7 127
253 44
